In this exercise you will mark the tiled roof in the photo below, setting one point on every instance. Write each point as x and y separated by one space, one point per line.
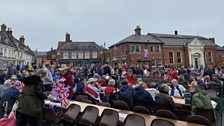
166 39
140 39
181 40
78 46
12 41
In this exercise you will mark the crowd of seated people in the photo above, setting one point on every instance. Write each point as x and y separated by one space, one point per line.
128 83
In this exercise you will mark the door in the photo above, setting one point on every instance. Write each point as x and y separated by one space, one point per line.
196 62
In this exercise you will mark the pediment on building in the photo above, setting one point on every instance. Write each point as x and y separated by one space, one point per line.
195 43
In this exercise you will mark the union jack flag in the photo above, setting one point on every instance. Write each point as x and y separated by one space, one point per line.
60 92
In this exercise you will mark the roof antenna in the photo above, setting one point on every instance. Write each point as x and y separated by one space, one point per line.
197 33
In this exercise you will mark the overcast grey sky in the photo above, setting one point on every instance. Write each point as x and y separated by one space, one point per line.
45 22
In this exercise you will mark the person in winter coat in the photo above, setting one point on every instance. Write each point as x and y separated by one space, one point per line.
126 91
4 87
141 95
31 101
163 98
11 71
130 77
64 73
110 88
11 95
48 79
174 74
199 99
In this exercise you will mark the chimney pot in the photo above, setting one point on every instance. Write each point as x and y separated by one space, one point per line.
67 38
22 39
212 39
9 31
138 30
176 32
3 27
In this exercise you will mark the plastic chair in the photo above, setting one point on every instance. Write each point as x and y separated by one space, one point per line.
71 113
109 117
161 122
50 116
81 97
207 113
141 103
86 101
134 120
89 116
141 109
120 105
161 107
105 104
166 114
199 120
182 114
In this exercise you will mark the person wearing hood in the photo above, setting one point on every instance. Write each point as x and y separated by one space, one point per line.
126 91
140 94
31 101
199 99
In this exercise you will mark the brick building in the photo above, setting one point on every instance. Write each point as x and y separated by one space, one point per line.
167 50
79 53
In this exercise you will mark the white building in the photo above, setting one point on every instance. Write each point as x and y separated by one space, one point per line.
13 50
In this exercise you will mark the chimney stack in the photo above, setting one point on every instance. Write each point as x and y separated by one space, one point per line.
3 27
9 32
67 37
176 32
212 39
51 48
22 39
138 31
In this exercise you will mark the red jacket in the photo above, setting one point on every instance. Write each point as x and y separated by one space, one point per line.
174 74
131 79
69 81
109 90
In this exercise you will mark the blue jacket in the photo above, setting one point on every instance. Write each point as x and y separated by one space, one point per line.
127 92
11 96
141 95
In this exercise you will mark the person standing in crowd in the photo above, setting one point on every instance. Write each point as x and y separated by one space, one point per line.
2 76
163 98
130 77
176 89
199 99
174 74
11 70
64 73
48 79
30 107
106 69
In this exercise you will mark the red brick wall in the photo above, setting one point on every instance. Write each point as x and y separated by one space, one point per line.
219 58
174 49
123 51
213 50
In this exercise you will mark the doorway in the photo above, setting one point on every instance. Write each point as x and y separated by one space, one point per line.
196 62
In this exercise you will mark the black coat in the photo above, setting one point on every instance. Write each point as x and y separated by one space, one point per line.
32 98
164 99
140 94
